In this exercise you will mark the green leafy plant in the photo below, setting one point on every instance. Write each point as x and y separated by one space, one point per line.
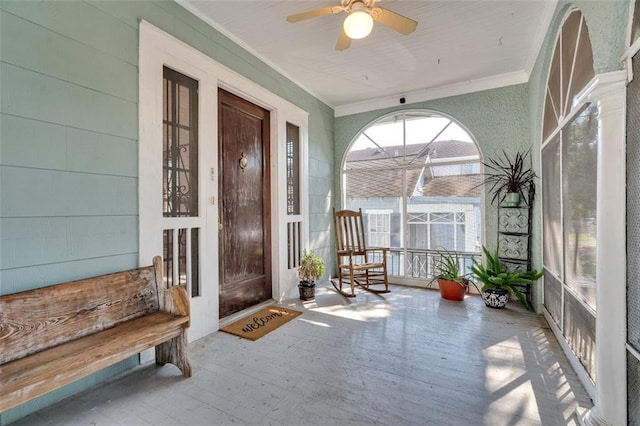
493 275
504 175
448 268
311 267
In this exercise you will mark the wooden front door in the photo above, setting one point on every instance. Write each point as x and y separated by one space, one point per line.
244 213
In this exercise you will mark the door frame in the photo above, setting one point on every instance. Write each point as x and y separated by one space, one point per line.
158 49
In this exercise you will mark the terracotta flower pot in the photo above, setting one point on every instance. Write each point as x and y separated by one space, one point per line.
451 290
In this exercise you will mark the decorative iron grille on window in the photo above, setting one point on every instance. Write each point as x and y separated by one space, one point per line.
180 179
180 147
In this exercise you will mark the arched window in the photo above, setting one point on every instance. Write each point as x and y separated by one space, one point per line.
416 176
569 191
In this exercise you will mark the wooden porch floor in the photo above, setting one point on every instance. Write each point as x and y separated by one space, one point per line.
404 358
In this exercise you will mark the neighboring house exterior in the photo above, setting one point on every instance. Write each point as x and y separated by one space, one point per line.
443 204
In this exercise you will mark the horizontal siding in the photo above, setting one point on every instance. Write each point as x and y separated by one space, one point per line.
92 152
66 103
129 12
69 132
61 57
44 193
64 148
34 241
321 169
318 203
82 22
21 139
13 280
68 153
68 122
319 186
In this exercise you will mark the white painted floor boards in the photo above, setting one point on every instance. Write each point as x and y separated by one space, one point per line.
403 358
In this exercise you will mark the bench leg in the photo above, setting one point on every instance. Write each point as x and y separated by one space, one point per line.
176 352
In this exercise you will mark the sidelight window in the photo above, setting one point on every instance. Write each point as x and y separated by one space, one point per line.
180 145
180 179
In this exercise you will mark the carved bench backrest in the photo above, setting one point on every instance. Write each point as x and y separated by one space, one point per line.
34 320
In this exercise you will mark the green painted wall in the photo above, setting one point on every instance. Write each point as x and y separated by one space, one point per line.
496 118
68 140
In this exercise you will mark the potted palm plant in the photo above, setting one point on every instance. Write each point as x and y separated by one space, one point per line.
453 284
498 283
510 180
311 268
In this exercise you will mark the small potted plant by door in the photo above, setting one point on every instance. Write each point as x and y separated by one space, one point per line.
311 268
498 283
453 284
510 179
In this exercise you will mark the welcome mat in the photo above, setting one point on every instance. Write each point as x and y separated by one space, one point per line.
256 325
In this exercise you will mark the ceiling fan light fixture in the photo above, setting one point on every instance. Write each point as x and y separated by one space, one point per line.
358 24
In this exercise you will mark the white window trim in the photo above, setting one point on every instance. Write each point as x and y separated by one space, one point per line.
379 212
407 208
158 48
608 91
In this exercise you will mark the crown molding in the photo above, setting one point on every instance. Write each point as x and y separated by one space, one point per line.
471 86
222 30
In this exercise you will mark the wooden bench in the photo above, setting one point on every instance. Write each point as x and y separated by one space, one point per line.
52 336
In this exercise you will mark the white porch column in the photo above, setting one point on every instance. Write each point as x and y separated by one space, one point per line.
611 377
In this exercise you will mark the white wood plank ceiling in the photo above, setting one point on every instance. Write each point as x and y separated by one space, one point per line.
459 46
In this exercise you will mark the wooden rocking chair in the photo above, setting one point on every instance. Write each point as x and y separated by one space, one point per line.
357 264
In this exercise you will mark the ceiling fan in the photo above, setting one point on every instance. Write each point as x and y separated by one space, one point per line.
359 22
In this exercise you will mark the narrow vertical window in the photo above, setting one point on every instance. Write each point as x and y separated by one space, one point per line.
294 222
180 145
180 179
167 257
195 262
293 169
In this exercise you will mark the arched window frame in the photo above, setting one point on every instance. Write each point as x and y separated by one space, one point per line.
421 264
606 92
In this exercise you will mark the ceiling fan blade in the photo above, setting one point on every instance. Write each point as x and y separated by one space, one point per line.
391 19
314 13
344 42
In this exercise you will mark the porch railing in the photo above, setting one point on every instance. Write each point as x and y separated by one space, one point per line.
421 264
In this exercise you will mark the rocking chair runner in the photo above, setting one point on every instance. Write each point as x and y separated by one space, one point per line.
357 264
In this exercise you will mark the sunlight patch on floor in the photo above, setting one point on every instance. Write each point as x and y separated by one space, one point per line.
403 358
360 313
318 323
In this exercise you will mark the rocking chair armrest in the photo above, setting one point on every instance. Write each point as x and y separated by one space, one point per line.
345 252
382 249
